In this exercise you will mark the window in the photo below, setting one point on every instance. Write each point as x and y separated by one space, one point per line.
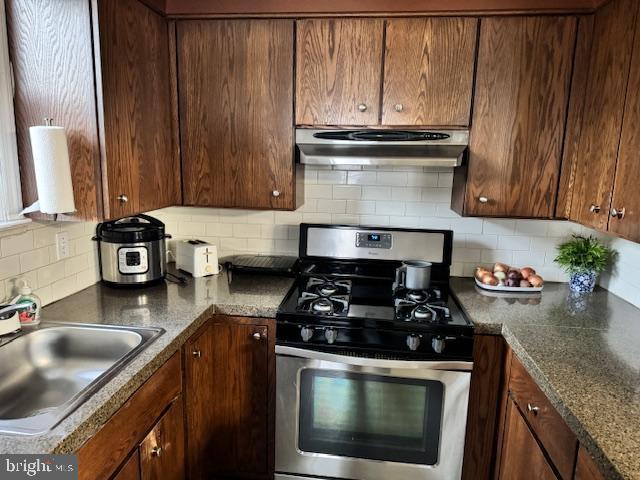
10 192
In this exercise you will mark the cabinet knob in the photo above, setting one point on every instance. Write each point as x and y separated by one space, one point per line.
398 107
594 208
276 193
156 451
123 198
533 409
196 353
618 213
362 107
483 199
256 336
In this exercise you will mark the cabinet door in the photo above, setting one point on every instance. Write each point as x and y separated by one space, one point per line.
586 469
162 450
603 113
131 468
228 401
138 156
522 458
522 91
338 69
625 207
428 71
236 113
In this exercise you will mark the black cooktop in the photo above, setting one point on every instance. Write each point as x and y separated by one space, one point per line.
350 306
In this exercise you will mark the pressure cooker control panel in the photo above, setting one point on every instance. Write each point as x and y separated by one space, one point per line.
133 260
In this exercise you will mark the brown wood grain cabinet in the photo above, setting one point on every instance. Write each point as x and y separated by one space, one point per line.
394 72
229 372
522 457
338 71
533 440
104 76
151 417
603 114
428 71
521 97
236 113
624 211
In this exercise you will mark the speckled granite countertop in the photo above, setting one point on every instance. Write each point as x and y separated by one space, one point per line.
584 353
179 310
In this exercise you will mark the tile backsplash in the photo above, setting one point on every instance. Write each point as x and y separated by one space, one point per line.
29 252
409 197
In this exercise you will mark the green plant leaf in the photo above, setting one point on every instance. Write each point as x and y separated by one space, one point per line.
583 254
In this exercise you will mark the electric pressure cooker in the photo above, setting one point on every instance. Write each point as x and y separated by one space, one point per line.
132 251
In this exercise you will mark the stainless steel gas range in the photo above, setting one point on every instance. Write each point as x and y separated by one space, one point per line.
372 377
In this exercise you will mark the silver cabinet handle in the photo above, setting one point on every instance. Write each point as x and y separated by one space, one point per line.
196 353
618 213
398 107
594 208
483 199
123 198
276 193
362 107
256 336
156 451
533 409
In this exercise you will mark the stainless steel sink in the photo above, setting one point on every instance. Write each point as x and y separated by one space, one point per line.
47 373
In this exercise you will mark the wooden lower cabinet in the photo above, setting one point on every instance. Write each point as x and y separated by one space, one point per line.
533 440
522 457
229 378
153 414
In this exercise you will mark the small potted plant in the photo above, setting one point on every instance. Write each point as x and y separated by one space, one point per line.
584 258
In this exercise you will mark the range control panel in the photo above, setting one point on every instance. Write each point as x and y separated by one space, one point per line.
374 240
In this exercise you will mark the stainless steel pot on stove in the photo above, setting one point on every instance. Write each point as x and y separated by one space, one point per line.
413 275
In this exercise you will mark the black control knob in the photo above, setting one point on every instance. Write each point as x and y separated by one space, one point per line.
306 333
413 342
331 334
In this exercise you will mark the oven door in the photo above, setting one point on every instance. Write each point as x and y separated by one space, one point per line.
369 419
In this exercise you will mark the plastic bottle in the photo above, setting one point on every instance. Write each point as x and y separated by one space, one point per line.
26 296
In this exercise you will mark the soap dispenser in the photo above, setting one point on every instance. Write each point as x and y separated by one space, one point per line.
28 317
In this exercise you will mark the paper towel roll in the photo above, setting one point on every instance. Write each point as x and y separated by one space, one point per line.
52 169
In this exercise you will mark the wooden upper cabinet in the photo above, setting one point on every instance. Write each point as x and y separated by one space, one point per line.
602 120
338 71
101 71
138 155
521 96
428 71
236 113
625 208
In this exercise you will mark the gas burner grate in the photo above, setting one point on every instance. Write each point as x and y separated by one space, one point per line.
328 287
323 305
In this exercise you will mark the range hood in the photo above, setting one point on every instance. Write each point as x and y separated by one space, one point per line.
421 148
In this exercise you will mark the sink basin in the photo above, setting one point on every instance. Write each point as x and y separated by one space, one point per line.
47 373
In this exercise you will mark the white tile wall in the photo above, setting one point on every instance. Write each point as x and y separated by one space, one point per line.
29 252
408 197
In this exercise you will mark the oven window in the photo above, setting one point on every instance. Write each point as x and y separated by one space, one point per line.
370 416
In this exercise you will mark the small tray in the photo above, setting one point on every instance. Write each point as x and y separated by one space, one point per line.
500 288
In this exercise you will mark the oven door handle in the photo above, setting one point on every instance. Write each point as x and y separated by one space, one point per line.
449 365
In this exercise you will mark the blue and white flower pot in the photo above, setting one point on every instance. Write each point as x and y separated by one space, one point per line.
583 282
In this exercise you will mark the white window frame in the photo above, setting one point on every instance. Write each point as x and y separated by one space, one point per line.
10 190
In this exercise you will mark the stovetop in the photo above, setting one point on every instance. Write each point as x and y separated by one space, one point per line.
353 306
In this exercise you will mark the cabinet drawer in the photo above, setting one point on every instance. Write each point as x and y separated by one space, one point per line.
558 440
